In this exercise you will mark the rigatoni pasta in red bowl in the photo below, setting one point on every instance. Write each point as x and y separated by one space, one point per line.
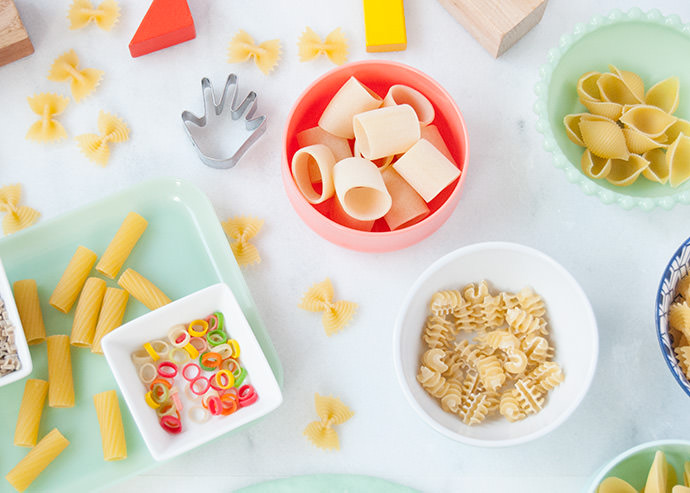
374 156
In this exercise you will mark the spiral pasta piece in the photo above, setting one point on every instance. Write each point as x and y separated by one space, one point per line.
446 301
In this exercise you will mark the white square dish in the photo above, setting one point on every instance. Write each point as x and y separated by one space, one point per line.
19 337
122 342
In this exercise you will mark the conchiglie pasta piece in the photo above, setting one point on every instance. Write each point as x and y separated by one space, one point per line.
664 94
587 89
678 159
615 485
658 167
648 119
631 80
595 166
612 111
604 138
675 130
614 90
572 128
626 172
638 142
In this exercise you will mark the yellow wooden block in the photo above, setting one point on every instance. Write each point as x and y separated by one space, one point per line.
384 25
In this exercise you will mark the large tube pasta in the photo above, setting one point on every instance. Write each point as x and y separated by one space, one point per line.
26 297
316 156
110 422
110 318
142 289
408 207
30 411
352 98
386 131
72 280
86 313
61 388
121 245
360 189
402 94
339 147
38 458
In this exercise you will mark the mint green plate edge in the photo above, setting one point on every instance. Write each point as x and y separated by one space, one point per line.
633 464
541 89
327 483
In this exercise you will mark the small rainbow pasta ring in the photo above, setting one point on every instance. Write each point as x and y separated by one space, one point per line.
224 350
247 395
191 351
178 335
152 373
152 352
197 328
162 381
216 337
167 369
199 343
171 424
149 400
231 365
179 355
229 379
194 387
185 371
140 356
235 348
209 360
214 404
240 378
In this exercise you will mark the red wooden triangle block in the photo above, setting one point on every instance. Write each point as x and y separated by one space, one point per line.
166 23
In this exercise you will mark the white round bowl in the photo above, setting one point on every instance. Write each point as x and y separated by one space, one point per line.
507 267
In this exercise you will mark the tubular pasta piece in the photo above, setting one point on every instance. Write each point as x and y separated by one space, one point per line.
331 411
81 12
631 80
82 81
407 207
30 411
626 172
73 279
29 308
401 94
613 89
38 458
110 317
266 55
431 133
678 160
604 138
595 166
334 46
352 98
382 163
360 189
664 95
241 229
121 245
647 119
316 135
426 169
86 313
341 217
47 129
386 131
61 388
110 422
142 289
95 147
314 164
319 298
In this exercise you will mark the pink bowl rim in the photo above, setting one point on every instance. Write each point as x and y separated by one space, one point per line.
452 199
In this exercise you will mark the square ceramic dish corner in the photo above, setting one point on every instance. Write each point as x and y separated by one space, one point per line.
19 338
119 345
647 43
506 267
178 214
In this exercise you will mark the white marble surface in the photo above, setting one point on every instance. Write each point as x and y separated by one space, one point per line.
512 193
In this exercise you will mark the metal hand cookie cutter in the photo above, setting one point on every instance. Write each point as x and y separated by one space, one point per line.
257 126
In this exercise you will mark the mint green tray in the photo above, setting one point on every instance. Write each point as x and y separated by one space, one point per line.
183 250
648 43
327 483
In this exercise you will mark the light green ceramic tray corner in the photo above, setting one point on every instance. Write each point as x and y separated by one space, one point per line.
183 249
633 465
327 483
648 43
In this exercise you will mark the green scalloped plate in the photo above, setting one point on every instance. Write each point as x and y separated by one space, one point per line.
183 249
648 43
327 483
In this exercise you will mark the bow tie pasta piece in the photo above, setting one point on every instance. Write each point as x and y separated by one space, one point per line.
266 55
319 298
47 129
82 12
16 217
94 146
242 229
334 46
331 411
82 81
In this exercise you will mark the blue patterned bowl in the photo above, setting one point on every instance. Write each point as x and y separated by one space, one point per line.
678 267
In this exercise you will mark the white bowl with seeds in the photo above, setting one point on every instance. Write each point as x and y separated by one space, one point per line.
15 358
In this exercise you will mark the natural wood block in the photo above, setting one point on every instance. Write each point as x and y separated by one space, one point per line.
14 41
384 25
496 24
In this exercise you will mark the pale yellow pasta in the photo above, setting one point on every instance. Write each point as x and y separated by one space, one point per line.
310 165
664 94
437 332
334 46
386 131
29 307
446 301
96 147
475 409
110 317
510 408
72 280
451 400
604 138
121 245
38 458
110 422
47 129
266 55
432 381
331 411
142 289
433 359
81 12
30 411
336 315
595 166
531 302
660 475
86 313
647 119
626 172
61 383
638 142
401 94
529 397
316 135
678 160
680 126
613 89
360 189
631 80
83 82
491 373
352 98
241 229
426 169
587 89
521 322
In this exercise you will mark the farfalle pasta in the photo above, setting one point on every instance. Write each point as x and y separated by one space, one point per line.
83 82
96 147
628 132
336 315
331 411
47 129
334 46
500 364
82 12
266 55
15 217
241 229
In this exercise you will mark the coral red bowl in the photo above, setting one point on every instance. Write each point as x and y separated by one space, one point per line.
378 75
